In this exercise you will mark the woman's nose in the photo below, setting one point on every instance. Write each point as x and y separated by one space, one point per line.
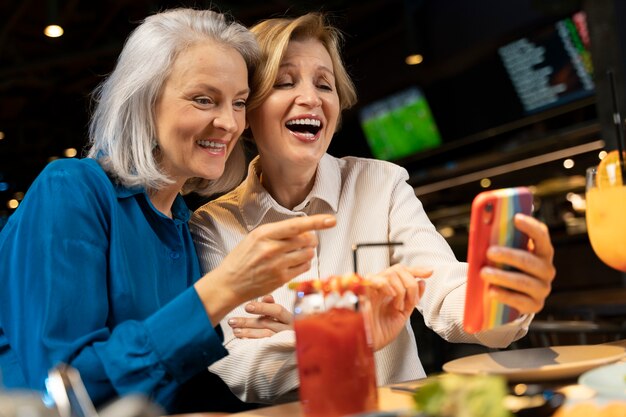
226 120
308 96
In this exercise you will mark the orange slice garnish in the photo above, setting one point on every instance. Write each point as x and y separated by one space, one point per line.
609 172
335 283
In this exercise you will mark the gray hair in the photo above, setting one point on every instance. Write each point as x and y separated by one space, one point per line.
122 131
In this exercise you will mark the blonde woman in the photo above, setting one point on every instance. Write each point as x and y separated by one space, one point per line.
299 91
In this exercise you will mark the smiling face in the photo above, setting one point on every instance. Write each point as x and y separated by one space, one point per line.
200 112
293 127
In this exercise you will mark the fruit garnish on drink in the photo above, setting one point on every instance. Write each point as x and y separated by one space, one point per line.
334 284
609 170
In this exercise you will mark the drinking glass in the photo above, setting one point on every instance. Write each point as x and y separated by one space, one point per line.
606 213
334 353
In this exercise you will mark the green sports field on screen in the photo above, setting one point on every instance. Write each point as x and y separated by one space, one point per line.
399 125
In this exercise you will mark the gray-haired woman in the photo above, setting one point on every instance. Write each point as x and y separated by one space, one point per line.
98 265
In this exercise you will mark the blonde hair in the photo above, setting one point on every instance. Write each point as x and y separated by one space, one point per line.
122 131
273 36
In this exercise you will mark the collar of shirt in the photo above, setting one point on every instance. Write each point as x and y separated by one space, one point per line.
256 202
180 211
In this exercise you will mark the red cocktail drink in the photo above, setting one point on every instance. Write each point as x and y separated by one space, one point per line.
335 357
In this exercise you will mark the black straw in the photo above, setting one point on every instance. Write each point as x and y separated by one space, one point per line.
356 247
617 121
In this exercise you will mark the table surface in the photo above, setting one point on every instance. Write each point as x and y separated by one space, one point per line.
388 399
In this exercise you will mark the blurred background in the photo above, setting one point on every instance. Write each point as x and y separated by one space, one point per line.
468 95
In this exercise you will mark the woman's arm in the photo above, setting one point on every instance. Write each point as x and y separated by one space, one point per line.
268 257
443 302
393 294
62 297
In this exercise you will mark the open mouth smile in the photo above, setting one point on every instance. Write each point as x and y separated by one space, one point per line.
305 128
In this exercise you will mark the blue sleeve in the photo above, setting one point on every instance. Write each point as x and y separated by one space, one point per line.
55 297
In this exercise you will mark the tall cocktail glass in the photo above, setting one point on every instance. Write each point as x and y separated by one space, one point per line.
334 350
606 212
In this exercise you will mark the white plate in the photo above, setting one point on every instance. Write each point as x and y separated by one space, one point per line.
608 381
537 364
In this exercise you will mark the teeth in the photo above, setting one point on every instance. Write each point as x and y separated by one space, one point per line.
311 122
211 144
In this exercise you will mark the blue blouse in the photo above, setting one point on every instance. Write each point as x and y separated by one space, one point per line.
91 274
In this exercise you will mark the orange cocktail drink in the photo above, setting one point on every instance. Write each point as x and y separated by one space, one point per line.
606 224
334 352
606 211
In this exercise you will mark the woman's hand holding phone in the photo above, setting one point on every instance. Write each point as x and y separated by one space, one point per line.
510 260
527 288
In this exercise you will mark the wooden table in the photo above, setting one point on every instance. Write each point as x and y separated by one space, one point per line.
388 400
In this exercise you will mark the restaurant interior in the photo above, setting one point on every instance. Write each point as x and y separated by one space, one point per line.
486 118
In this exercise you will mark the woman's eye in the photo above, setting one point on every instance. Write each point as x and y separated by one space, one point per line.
283 84
203 100
325 87
240 104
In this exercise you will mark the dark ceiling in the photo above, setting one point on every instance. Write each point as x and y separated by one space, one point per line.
45 83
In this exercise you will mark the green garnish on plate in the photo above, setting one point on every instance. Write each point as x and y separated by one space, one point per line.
452 395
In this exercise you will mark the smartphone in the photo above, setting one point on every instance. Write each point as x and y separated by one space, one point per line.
491 223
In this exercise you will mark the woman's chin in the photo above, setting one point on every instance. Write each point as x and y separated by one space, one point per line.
212 174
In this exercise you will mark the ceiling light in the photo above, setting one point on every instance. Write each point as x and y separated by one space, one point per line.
12 204
70 152
1 135
414 59
53 31
446 232
568 163
485 183
414 23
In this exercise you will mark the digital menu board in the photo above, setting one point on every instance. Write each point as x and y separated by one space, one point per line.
551 67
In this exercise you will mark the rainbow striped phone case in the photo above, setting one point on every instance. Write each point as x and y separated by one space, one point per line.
491 223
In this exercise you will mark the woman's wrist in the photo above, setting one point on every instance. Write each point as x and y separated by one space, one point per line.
218 299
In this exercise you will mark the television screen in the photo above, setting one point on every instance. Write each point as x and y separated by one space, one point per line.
551 67
399 125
